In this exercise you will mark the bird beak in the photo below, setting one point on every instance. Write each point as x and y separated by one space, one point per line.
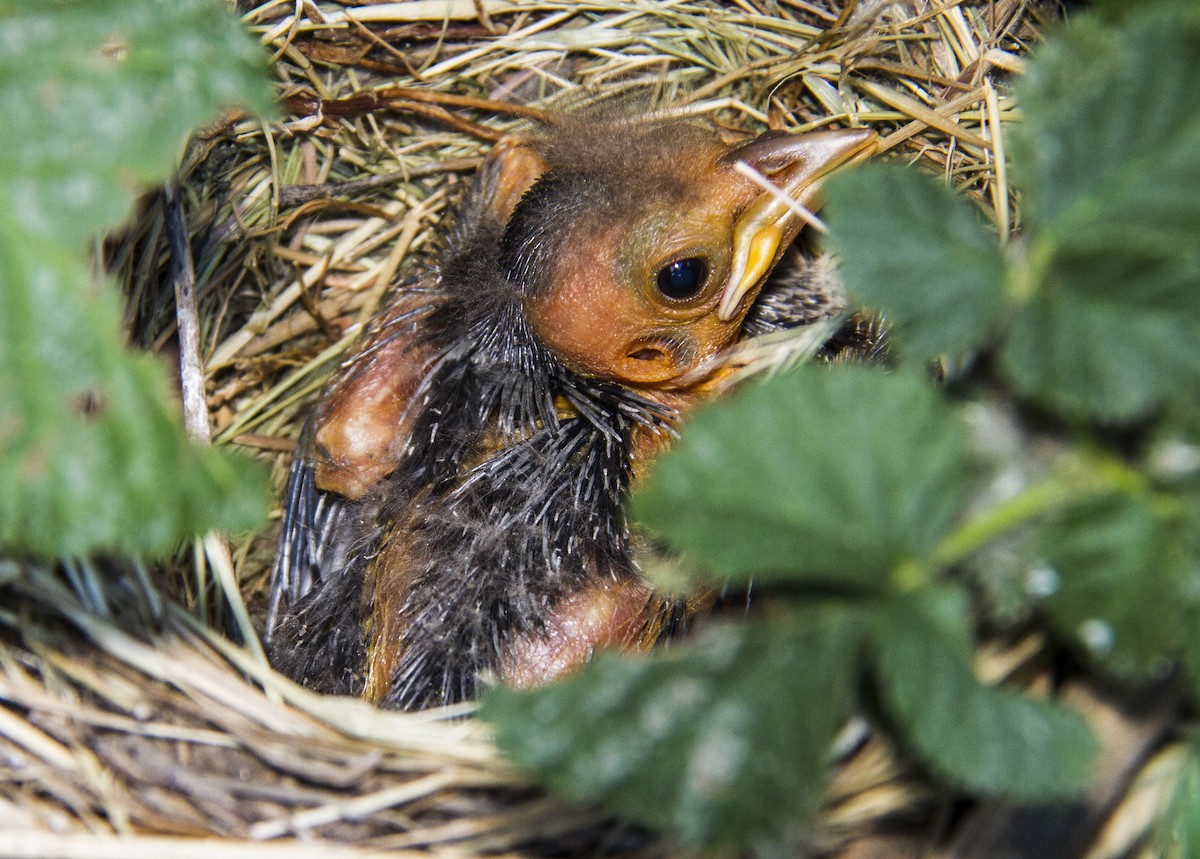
795 164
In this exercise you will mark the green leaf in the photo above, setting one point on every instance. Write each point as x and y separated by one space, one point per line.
1119 9
118 87
836 475
1109 159
722 739
984 739
1111 127
1128 571
923 255
92 456
1097 341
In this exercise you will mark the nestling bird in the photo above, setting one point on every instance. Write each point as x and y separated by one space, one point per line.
455 510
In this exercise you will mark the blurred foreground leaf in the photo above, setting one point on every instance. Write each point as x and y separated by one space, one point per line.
721 739
1127 569
118 85
1104 282
922 255
91 453
1108 156
829 474
985 739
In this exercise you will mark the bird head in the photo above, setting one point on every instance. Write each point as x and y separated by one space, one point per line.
639 248
624 251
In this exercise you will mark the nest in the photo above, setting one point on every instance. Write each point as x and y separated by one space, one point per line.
132 725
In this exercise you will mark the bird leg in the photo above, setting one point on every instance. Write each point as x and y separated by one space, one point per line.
626 614
387 581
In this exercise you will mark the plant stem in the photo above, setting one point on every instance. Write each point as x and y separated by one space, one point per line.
1078 480
1028 264
1004 517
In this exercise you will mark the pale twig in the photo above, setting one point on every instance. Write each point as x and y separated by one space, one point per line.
929 116
999 184
357 808
191 365
917 126
216 549
40 844
195 406
38 743
419 10
782 196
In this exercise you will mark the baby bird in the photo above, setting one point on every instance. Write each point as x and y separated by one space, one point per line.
454 512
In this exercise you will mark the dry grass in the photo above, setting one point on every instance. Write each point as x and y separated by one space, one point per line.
131 728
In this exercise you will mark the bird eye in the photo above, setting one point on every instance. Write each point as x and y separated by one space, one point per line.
683 278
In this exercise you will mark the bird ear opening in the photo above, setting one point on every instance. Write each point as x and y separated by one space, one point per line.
513 167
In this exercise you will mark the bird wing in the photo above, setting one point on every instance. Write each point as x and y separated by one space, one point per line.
349 445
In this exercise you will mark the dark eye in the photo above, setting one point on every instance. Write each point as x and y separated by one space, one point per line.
682 279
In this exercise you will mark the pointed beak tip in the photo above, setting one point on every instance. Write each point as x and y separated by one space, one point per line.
845 146
868 141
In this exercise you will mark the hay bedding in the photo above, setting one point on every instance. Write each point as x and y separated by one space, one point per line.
131 727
